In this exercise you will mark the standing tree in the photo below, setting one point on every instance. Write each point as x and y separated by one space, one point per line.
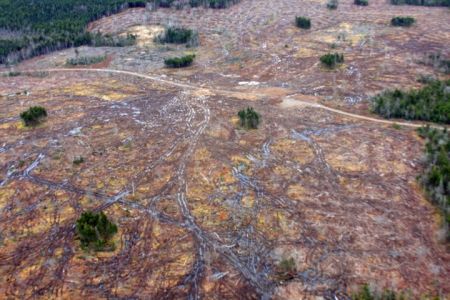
33 115
95 230
402 21
331 60
332 4
249 118
362 2
303 22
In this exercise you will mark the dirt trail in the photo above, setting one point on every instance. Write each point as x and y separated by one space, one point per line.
230 93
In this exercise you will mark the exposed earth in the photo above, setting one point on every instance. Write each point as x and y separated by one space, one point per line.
205 209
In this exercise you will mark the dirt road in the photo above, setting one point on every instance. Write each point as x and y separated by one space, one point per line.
230 93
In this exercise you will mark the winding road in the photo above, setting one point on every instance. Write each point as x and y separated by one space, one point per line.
230 93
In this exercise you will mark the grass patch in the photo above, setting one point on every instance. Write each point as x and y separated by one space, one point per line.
302 22
430 103
365 293
33 115
179 62
396 126
286 270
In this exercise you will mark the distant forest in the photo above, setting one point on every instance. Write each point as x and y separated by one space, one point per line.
29 27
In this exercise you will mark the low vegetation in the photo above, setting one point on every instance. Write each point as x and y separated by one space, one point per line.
179 62
436 176
107 40
402 21
331 60
78 160
216 4
430 103
13 74
332 4
426 78
438 61
365 293
362 2
33 115
249 118
422 2
85 60
302 22
286 270
95 231
178 35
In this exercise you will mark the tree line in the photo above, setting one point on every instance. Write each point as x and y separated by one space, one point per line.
430 103
33 28
422 2
436 176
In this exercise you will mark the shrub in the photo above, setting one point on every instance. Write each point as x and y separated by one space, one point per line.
430 103
402 21
332 59
303 22
437 61
286 269
33 115
85 60
249 118
176 35
78 160
179 62
13 73
362 2
426 78
95 231
332 4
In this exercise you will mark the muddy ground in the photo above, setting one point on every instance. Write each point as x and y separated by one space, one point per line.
204 208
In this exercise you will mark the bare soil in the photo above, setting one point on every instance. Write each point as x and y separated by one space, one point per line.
204 208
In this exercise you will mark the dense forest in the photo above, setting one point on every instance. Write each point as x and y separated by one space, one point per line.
430 103
29 28
436 177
